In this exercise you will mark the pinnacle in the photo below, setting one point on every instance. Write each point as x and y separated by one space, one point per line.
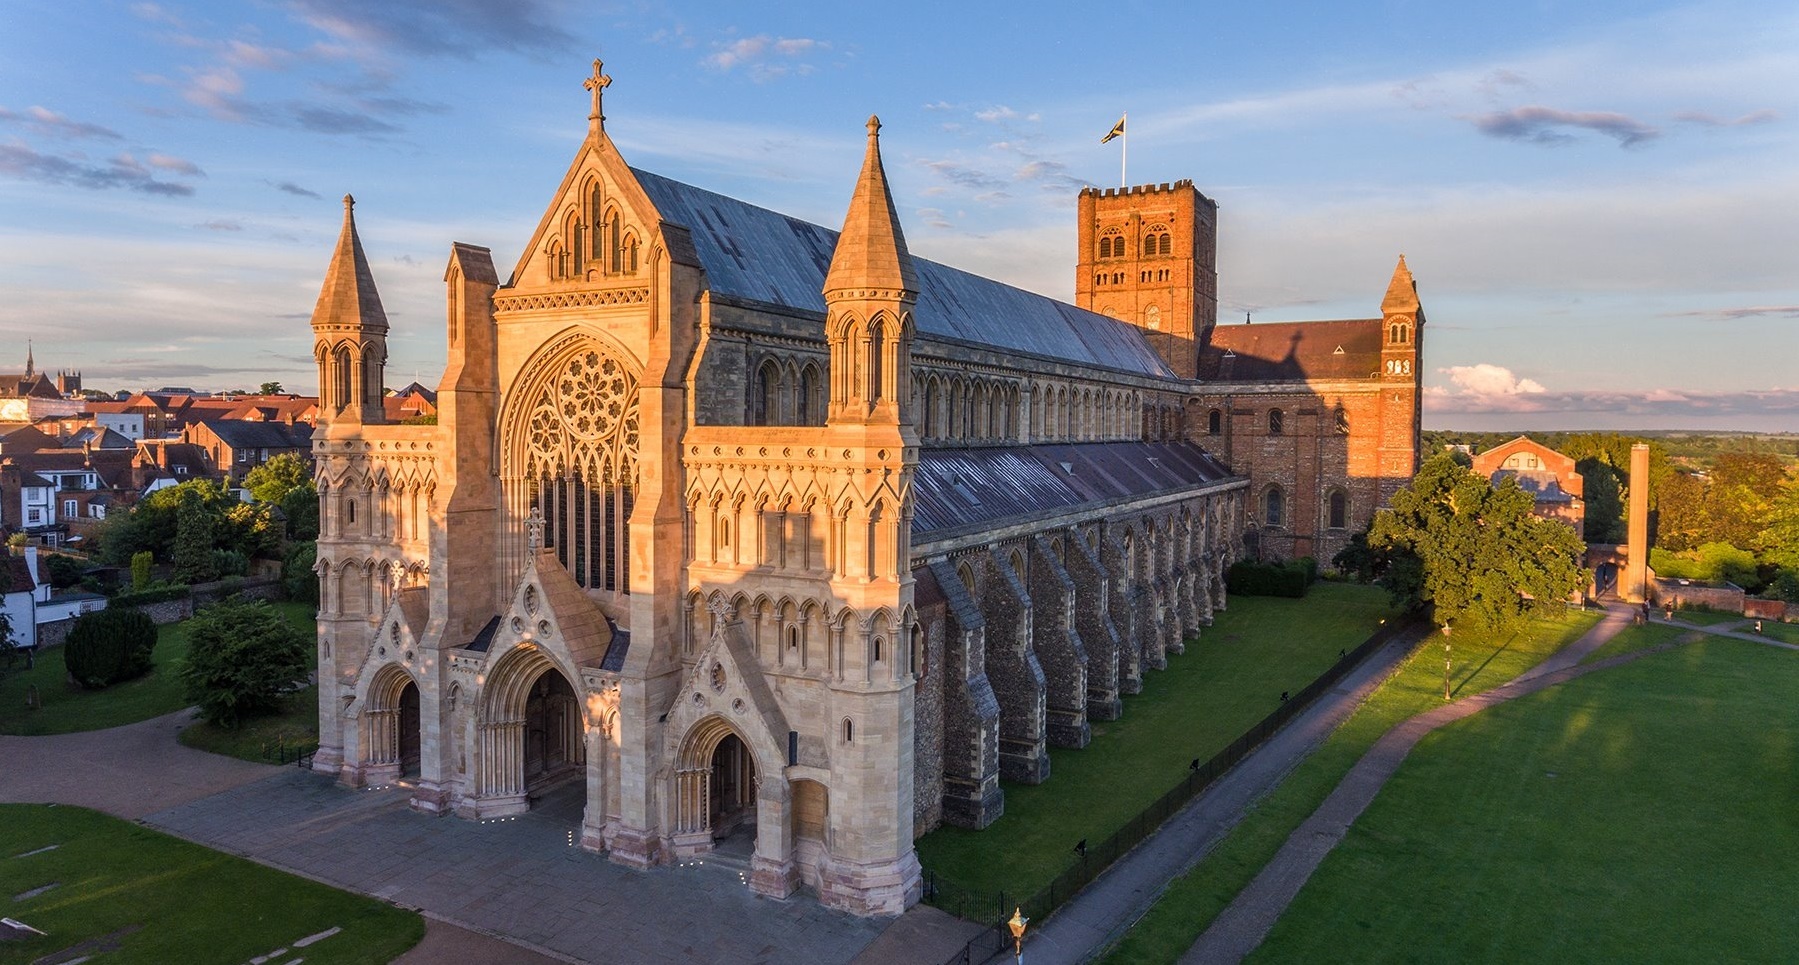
1402 291
871 251
348 298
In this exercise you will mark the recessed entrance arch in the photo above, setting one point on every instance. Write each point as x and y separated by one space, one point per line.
532 732
392 718
716 785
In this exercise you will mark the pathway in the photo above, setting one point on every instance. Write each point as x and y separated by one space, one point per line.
1241 927
1114 902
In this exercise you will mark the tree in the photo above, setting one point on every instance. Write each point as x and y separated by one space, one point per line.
271 388
1483 558
273 480
140 570
243 657
1741 497
1681 514
301 507
1605 502
1780 538
193 546
108 646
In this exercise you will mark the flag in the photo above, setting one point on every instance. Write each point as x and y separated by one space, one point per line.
1116 131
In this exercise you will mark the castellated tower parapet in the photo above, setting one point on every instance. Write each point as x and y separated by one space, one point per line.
1148 255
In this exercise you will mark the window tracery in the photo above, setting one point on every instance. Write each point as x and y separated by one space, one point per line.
579 465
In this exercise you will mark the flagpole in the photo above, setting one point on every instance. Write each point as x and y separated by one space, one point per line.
1124 151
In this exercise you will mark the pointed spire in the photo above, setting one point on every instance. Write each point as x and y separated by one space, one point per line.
1402 292
349 297
871 251
30 364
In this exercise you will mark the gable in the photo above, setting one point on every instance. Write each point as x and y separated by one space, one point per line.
598 229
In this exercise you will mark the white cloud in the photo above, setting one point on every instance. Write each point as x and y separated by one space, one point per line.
1486 379
766 57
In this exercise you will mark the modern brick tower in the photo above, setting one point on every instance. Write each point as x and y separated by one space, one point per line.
1148 255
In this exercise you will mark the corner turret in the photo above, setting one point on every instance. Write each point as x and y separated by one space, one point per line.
349 334
869 293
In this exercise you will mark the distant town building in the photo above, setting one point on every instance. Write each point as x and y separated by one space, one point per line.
1547 475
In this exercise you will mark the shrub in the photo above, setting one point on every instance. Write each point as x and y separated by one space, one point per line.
1257 578
141 562
65 571
193 546
107 646
243 657
297 576
230 563
154 593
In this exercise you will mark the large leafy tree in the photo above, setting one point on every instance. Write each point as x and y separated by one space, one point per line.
1780 537
1483 559
1741 498
273 480
243 657
1605 501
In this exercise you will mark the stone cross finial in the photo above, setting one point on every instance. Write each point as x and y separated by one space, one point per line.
399 580
719 607
534 531
597 83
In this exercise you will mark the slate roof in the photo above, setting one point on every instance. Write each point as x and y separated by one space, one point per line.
969 489
261 435
101 437
1292 351
755 255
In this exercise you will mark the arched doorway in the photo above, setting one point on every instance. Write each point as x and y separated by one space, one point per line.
715 788
552 731
409 731
733 802
531 737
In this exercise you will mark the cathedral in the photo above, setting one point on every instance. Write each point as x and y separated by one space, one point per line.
739 526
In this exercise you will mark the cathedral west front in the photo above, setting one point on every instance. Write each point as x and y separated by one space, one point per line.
746 529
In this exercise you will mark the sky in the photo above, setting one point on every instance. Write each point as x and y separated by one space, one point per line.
1599 200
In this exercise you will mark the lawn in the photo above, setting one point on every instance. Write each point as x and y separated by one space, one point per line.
1639 814
1228 680
1707 618
69 709
124 893
1481 663
1634 638
275 739
1784 632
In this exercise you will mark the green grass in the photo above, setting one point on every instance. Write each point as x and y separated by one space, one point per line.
161 899
1634 638
1193 900
1706 618
1775 630
1228 680
67 709
262 739
1641 814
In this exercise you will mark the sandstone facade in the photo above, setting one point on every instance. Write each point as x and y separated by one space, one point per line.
746 524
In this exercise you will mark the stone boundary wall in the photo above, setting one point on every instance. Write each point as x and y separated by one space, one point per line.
174 611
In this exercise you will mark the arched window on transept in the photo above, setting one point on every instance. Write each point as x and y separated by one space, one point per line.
765 396
1214 422
1274 506
849 731
1277 422
572 456
629 253
877 359
1399 333
577 234
1337 510
1111 244
808 403
596 217
928 418
1157 241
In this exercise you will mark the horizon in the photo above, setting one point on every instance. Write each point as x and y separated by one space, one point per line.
1592 200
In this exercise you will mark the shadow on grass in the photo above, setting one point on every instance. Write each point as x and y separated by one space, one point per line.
1457 692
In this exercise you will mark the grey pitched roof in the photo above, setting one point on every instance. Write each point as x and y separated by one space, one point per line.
239 434
757 255
966 489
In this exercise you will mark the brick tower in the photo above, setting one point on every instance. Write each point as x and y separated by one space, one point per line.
1148 255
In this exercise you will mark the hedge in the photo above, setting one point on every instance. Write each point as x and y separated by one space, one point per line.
1275 578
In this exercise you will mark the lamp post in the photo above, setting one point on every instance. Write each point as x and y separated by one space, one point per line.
1445 661
1017 925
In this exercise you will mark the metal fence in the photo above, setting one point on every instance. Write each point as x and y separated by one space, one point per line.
989 908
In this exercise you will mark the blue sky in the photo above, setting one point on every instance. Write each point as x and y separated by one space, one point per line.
1598 199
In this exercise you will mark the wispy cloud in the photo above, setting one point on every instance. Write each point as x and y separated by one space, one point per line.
1000 112
1549 125
1732 314
1703 119
288 187
219 224
123 171
48 123
962 175
453 28
766 57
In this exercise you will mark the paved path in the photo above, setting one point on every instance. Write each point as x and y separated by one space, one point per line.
1115 901
1241 927
127 771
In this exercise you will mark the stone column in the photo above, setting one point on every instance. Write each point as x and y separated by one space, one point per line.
1636 566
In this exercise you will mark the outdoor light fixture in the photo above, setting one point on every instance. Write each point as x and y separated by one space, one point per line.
1017 925
1080 847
